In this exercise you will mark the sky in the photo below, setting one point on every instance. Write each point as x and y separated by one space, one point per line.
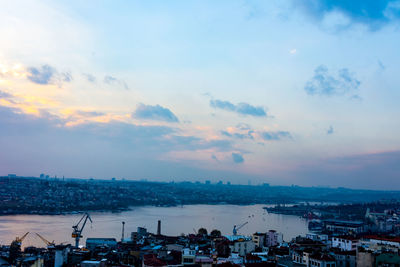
288 92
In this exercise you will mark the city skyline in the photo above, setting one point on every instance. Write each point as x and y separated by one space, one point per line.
282 92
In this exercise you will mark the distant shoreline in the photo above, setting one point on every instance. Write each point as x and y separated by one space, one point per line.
52 196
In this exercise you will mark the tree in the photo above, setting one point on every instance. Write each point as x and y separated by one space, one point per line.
202 231
215 233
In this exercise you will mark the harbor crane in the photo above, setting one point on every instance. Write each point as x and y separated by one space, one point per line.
237 228
48 243
15 247
18 240
77 232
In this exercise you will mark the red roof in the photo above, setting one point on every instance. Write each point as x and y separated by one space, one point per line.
251 257
322 257
384 238
152 260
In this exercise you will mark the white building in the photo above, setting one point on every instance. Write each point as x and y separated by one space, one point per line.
317 237
188 256
273 238
344 243
61 255
243 246
259 239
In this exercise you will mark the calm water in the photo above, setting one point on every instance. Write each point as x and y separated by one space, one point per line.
175 220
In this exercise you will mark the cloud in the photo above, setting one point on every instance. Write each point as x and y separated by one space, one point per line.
324 83
240 108
243 126
66 77
41 75
226 133
330 130
33 143
241 131
157 112
278 135
247 109
5 95
214 158
91 78
112 80
237 158
372 13
46 74
244 131
193 143
89 113
222 105
242 136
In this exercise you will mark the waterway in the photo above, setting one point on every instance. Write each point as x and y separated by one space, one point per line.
175 221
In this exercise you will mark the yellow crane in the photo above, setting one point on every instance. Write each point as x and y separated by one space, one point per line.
15 248
47 242
18 240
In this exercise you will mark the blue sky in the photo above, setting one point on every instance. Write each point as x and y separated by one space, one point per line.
285 92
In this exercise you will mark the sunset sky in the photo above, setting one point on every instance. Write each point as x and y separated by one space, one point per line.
284 92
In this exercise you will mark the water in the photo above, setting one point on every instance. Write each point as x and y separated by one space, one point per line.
175 221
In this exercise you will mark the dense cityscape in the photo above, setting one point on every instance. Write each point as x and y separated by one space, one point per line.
348 232
44 195
373 241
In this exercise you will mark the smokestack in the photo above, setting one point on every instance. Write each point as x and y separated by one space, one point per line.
123 231
159 227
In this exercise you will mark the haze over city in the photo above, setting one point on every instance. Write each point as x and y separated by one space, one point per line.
281 92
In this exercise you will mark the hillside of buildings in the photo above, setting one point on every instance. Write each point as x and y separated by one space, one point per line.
31 195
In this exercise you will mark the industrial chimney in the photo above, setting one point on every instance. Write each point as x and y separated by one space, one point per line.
123 232
159 227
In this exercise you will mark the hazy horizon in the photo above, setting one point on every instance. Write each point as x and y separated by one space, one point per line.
281 92
201 181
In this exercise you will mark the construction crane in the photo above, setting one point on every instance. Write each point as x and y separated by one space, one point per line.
237 228
15 248
19 240
48 243
77 232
